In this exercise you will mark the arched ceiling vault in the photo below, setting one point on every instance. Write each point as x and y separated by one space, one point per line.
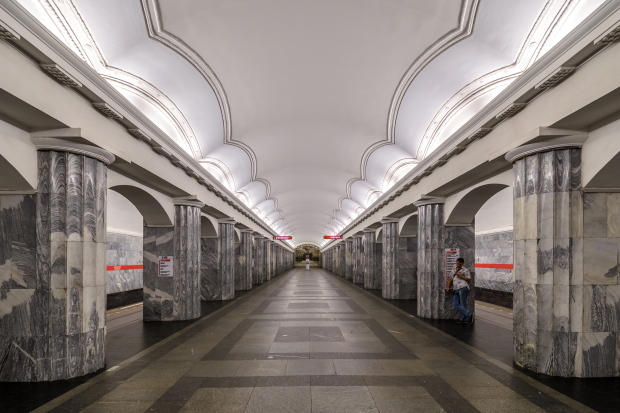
299 106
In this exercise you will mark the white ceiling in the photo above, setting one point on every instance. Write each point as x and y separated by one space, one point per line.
289 101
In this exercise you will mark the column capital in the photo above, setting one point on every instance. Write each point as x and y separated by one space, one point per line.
429 201
366 230
188 202
357 235
248 231
574 141
63 145
226 221
387 220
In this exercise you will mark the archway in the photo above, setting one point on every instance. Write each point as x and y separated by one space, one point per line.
311 251
488 210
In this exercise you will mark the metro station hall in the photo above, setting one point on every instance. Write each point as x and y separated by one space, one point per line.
326 206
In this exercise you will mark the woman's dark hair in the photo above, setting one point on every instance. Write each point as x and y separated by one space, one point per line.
460 260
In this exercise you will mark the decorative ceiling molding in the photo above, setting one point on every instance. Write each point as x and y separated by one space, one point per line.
221 167
77 36
152 15
465 27
390 176
553 13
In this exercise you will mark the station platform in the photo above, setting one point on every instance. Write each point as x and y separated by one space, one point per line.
309 341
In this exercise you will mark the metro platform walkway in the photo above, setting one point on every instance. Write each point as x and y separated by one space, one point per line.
309 341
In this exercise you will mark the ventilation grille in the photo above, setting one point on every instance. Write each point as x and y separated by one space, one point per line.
557 77
478 134
140 135
107 110
61 75
511 111
611 37
8 34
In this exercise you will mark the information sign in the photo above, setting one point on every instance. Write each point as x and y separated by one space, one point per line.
282 237
165 267
332 237
450 264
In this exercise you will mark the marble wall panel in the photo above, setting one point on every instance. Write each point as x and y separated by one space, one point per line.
495 248
408 267
349 259
122 250
211 288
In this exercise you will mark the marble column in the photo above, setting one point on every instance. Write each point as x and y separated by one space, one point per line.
357 260
398 273
348 274
258 273
390 267
337 260
53 301
175 297
432 241
566 281
226 259
372 269
243 277
267 252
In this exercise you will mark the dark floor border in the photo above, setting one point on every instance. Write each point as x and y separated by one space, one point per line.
26 397
502 298
527 391
123 298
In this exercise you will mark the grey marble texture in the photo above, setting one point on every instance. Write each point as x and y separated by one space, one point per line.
258 268
348 275
226 260
495 248
267 255
433 239
357 260
52 272
372 266
408 267
390 273
566 280
243 271
177 297
342 259
158 291
211 289
186 280
123 249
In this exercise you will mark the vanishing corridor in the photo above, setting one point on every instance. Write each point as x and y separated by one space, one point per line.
310 342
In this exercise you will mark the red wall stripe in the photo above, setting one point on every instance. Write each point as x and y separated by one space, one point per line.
123 267
500 266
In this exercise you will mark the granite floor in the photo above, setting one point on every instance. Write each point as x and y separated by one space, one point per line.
309 341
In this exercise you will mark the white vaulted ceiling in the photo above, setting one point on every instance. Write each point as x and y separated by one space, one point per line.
309 110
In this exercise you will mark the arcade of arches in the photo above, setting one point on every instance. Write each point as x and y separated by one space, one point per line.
167 167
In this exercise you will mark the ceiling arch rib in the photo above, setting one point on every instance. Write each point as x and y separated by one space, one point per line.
537 33
431 99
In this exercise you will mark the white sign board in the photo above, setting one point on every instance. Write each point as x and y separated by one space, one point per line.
450 264
165 267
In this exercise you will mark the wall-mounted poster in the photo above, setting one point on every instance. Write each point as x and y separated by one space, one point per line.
450 264
165 267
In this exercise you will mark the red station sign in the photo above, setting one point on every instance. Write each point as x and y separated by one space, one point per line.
332 237
282 237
